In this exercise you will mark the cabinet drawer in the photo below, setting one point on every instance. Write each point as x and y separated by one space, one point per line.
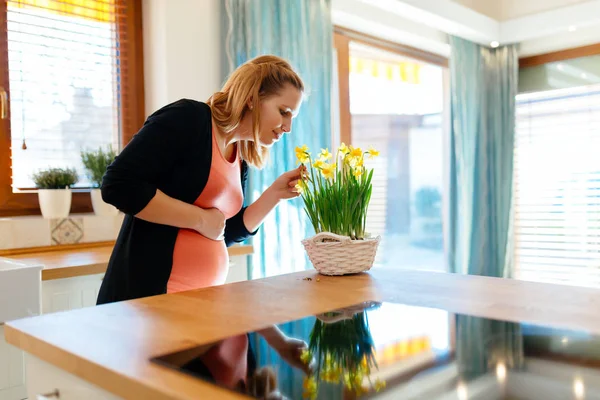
45 381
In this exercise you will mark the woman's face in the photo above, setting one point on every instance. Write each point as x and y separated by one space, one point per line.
276 114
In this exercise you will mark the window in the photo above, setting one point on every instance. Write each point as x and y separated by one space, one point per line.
73 80
557 185
396 103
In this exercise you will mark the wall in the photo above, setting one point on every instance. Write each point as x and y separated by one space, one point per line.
182 50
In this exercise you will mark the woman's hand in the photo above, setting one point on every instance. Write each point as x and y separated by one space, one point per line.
291 351
211 223
284 187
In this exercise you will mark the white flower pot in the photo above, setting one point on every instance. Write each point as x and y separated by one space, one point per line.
100 206
55 203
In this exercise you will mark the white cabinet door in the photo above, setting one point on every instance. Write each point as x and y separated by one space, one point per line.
12 371
238 269
70 293
43 379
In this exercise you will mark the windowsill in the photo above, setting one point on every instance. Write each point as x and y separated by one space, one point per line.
36 217
35 190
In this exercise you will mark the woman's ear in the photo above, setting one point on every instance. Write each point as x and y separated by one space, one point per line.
250 104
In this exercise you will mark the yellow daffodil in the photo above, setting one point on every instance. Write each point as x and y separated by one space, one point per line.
357 172
331 371
355 152
301 186
354 162
319 164
343 149
302 154
310 387
372 152
363 362
306 356
379 385
347 381
325 155
328 171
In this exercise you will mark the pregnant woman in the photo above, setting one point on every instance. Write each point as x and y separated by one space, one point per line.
180 182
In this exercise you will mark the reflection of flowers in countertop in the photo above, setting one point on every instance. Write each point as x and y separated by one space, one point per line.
341 351
352 376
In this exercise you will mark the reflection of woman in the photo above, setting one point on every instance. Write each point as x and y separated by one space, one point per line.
231 363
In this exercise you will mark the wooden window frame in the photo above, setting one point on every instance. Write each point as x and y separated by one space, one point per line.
132 113
562 55
341 40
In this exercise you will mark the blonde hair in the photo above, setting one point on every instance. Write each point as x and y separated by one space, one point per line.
256 79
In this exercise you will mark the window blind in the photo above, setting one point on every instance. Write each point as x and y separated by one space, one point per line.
64 82
557 186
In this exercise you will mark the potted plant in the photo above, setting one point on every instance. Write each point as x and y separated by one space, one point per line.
95 163
54 191
336 190
341 351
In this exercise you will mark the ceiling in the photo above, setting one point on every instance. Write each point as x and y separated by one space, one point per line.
503 10
537 26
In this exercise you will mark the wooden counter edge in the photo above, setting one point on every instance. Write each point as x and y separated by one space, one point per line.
72 271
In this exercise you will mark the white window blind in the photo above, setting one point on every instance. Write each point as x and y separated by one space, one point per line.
64 82
557 186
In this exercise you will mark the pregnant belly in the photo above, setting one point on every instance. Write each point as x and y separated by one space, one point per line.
197 262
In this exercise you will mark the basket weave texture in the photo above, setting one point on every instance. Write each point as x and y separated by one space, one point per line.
333 254
347 312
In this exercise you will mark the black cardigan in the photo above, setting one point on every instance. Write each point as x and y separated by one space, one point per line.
172 152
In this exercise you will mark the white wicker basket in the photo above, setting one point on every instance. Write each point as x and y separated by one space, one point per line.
347 312
333 254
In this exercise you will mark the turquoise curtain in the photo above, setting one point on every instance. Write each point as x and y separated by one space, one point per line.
484 344
300 31
483 84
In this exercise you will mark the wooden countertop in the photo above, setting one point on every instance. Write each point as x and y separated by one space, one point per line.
59 264
110 345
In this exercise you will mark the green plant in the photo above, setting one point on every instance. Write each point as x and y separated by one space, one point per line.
335 197
95 163
55 178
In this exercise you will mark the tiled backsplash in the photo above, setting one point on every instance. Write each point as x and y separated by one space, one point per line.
20 232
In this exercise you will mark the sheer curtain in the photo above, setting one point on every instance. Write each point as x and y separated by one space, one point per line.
483 90
300 31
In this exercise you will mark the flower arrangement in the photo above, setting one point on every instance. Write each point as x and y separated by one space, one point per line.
343 353
336 189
